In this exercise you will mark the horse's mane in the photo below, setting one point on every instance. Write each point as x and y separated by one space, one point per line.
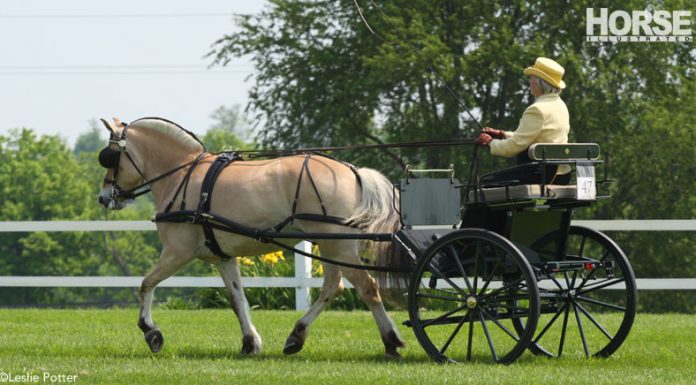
172 130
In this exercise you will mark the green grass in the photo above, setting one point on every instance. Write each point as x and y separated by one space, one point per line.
201 347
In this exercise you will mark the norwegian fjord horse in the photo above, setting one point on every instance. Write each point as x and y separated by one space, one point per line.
258 194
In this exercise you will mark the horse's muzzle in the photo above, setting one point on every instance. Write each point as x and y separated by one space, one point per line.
109 199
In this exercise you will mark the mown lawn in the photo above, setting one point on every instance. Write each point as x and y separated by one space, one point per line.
201 347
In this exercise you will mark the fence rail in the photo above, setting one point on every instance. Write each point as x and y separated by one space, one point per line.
71 226
303 280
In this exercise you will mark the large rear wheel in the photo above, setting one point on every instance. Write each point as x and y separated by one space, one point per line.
464 294
587 310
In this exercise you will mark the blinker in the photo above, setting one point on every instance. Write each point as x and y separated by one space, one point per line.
109 158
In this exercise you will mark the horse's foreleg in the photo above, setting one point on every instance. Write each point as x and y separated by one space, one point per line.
167 265
332 286
366 286
229 271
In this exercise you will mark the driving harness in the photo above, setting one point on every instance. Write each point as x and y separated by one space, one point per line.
209 221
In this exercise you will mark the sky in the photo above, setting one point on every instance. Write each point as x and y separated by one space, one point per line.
63 63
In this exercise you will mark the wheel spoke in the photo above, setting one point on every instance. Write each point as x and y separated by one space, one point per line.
460 267
560 287
606 283
500 325
449 313
471 336
581 330
567 281
454 333
488 337
476 262
454 285
594 321
600 303
572 282
548 325
500 289
582 246
490 277
442 297
563 330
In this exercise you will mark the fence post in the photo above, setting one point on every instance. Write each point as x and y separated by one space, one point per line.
303 270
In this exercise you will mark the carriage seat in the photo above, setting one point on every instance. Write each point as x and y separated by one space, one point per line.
580 155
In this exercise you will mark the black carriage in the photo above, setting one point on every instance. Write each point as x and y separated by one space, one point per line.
499 268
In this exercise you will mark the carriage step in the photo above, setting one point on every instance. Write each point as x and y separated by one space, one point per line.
407 323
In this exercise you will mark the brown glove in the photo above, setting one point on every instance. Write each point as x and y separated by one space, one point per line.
495 134
483 139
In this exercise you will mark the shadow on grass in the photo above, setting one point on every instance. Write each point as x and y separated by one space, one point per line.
230 353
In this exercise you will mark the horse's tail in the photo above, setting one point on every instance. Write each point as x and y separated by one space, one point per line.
377 213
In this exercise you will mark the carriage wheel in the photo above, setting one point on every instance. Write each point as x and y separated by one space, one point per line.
587 311
464 294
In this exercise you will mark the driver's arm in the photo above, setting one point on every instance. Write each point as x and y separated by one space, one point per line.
528 130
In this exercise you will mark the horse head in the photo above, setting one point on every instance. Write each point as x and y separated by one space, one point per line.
141 153
122 172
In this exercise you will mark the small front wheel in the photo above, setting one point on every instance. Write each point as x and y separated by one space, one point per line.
465 293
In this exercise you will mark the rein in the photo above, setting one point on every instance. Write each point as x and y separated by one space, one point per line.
417 144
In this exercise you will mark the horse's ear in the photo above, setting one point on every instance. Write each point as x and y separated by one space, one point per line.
117 122
107 125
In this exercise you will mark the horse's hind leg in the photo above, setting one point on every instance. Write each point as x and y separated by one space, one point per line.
229 270
332 285
167 265
366 286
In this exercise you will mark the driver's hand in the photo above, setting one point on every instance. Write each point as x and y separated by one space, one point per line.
496 134
483 139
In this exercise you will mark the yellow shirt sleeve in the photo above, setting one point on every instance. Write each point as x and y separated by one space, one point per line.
529 129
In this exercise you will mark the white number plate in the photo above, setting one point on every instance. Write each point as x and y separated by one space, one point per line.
586 182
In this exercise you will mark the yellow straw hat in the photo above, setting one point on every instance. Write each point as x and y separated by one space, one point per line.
548 70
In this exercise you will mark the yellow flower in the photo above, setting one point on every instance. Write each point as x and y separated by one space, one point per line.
246 261
320 269
273 257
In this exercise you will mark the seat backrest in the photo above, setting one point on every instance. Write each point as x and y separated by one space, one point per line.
430 201
564 151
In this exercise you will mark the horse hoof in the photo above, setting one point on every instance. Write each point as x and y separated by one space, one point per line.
292 346
249 346
392 354
154 340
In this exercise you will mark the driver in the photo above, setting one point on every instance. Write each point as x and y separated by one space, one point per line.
545 121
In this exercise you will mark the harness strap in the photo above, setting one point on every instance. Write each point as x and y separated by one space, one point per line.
305 166
184 184
222 161
269 236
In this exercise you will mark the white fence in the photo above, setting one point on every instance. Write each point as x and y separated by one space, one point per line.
303 280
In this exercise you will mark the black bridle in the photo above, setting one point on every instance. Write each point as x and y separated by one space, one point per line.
110 158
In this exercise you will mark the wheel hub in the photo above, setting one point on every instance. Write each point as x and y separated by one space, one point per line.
471 302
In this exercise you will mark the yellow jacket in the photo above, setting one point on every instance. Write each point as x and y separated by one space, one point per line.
545 121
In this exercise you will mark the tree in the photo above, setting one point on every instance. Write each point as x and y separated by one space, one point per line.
227 131
230 119
91 140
